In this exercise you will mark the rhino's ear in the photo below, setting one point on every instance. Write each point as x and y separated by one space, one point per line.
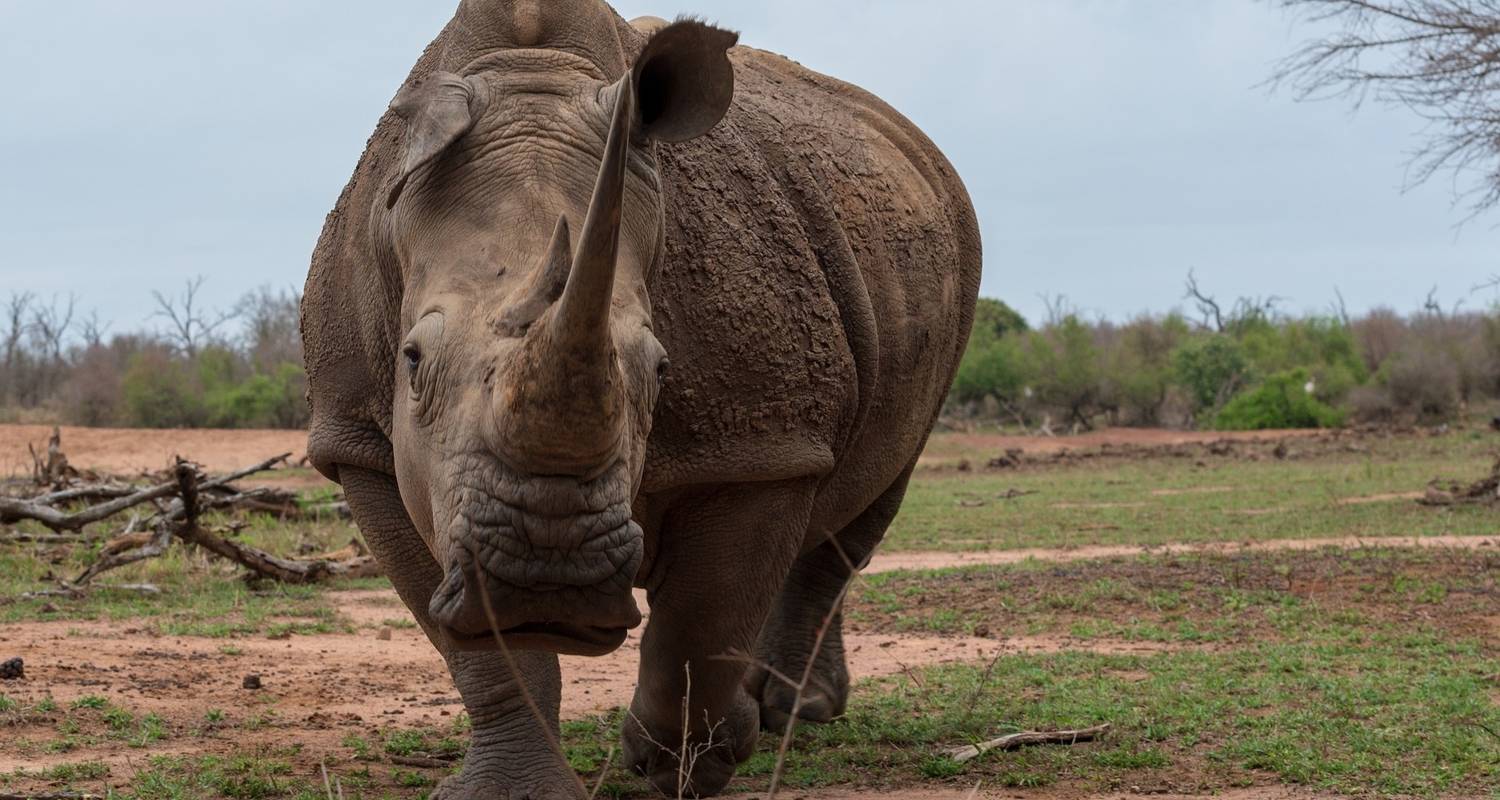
684 81
439 109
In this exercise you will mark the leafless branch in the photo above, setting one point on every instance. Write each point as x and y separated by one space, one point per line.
1438 58
1341 308
1208 306
1015 740
190 325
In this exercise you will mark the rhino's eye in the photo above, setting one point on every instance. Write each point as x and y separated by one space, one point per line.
413 356
662 368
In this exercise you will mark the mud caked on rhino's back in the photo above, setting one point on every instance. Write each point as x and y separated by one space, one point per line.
822 260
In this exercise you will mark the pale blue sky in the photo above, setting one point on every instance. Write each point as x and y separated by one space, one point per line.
1110 145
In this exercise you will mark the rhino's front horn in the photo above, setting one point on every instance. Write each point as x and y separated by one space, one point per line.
564 413
582 315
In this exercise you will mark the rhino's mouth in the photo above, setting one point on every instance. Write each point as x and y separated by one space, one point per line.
547 563
554 637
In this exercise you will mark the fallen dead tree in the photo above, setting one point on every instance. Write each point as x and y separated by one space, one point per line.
176 503
1453 493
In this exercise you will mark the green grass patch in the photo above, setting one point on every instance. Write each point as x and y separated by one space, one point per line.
1114 499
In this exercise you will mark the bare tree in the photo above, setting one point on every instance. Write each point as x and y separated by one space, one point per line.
1208 307
50 325
1245 309
16 327
1438 58
93 329
272 326
1058 307
1340 308
190 325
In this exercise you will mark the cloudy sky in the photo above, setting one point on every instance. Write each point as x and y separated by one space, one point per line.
1110 145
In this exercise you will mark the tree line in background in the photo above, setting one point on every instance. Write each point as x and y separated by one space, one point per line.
1245 367
1240 366
240 368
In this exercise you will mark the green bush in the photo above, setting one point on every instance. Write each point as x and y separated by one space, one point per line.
990 369
160 391
1211 367
993 365
1137 367
1064 366
259 401
1325 347
1282 401
993 319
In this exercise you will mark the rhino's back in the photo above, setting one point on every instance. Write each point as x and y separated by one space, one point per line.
822 261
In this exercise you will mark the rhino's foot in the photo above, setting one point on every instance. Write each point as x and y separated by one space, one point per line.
822 700
516 782
702 766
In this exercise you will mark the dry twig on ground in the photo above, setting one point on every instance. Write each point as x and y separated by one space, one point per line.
1015 740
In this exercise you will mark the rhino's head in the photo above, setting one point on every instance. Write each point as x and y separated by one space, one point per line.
526 218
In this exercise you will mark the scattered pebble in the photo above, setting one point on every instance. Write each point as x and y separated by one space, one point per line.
384 634
251 682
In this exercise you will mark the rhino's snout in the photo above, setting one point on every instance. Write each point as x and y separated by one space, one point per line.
576 602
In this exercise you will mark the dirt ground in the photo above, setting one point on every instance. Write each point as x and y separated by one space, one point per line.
954 445
318 690
125 451
121 451
327 685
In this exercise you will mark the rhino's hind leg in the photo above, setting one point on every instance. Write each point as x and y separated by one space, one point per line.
510 751
811 600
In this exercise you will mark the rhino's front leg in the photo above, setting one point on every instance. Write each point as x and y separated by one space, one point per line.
511 750
723 557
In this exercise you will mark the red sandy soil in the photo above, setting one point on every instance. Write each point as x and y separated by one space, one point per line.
115 450
123 451
325 687
948 445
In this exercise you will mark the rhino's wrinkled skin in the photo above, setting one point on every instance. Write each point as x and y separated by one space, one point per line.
609 306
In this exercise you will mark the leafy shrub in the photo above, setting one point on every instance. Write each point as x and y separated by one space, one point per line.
1422 383
1282 401
990 369
160 391
994 319
1379 335
1211 368
260 401
992 366
1137 367
1372 404
1064 365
